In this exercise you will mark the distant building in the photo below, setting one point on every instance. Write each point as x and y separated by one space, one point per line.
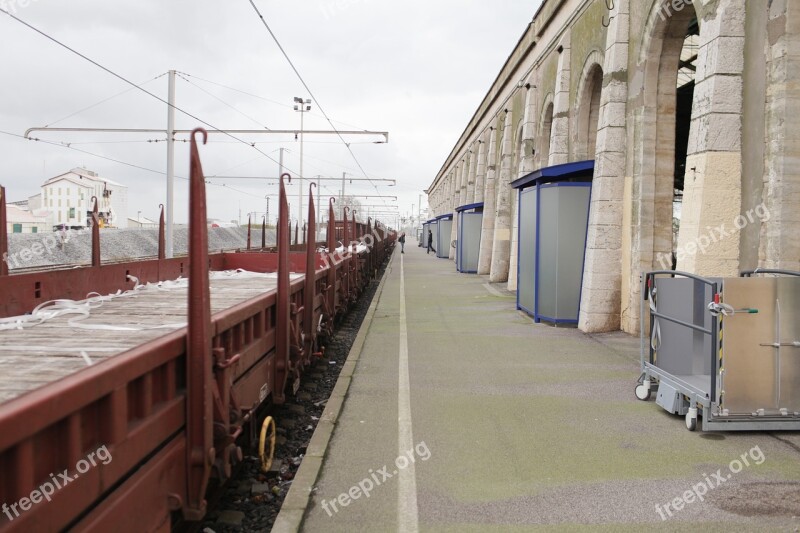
142 222
20 220
68 200
216 223
34 203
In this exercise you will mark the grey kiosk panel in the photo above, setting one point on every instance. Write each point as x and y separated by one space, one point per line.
563 218
526 280
469 241
445 228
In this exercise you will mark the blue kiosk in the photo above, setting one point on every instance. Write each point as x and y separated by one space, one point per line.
553 221
442 234
431 226
468 243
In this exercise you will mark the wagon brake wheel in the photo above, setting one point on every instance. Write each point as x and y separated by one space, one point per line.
268 433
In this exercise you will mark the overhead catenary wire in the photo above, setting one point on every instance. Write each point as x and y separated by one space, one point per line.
252 95
68 146
103 101
175 107
134 85
120 162
308 89
223 102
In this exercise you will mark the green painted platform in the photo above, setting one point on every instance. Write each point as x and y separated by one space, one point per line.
524 427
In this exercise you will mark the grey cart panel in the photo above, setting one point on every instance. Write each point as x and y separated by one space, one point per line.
680 351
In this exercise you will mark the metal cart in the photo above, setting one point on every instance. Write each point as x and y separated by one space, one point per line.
745 379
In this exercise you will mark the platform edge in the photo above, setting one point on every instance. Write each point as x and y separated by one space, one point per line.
292 513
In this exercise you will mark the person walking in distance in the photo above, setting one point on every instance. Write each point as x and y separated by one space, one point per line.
430 242
402 241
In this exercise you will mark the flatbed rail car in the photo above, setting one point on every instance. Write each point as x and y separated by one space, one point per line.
168 409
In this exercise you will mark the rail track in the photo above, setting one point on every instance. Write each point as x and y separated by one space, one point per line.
133 441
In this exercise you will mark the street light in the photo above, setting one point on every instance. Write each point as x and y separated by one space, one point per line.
302 106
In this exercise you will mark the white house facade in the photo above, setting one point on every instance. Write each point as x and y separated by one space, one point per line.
68 199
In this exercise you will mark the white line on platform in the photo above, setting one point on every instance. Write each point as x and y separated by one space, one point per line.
407 513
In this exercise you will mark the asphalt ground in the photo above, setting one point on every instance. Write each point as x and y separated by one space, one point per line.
463 415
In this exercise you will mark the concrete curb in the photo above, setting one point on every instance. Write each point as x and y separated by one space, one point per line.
297 499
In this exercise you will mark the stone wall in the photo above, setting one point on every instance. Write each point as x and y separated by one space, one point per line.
741 185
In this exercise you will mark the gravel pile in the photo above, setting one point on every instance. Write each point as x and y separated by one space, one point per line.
28 250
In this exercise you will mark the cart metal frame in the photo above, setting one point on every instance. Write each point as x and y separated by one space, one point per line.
699 400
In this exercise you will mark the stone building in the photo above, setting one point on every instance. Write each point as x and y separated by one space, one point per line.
673 101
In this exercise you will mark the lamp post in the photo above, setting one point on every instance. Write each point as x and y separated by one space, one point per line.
302 106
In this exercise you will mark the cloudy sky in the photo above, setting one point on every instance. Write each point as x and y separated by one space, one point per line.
417 69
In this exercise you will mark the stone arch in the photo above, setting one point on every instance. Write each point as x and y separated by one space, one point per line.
545 131
519 150
655 113
587 117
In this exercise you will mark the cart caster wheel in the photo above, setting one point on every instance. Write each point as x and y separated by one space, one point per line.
642 392
691 419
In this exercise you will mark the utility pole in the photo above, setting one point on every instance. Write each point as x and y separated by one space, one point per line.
303 106
171 132
341 198
170 165
317 211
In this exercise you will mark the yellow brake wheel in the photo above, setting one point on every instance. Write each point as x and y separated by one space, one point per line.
267 432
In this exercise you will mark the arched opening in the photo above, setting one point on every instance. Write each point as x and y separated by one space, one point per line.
687 70
594 110
669 96
519 154
588 115
659 151
545 132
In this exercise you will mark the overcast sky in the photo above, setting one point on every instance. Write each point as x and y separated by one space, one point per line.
417 69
